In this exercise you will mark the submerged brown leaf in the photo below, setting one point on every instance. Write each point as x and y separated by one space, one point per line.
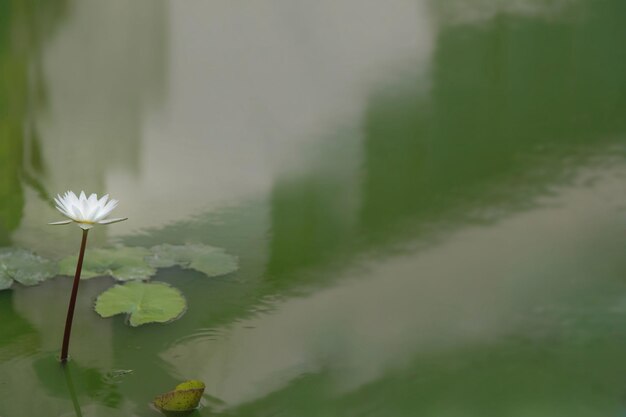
185 397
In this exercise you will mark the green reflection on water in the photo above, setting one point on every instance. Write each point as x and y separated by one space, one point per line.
517 105
80 382
18 335
24 25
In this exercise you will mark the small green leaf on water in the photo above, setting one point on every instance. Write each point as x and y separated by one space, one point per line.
5 281
155 302
191 384
209 260
124 263
24 267
185 397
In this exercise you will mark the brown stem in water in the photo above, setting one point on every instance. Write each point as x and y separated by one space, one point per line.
70 309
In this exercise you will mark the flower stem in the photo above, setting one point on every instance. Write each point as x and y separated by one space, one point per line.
70 308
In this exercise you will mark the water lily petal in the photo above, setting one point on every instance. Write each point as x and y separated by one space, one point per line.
60 222
77 214
106 210
109 221
65 212
103 200
71 198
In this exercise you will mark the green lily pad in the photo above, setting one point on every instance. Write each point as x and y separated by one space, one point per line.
124 263
5 281
155 302
185 397
24 267
209 260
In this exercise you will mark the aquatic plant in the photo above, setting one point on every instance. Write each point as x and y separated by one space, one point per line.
25 267
185 397
85 212
209 260
123 263
155 302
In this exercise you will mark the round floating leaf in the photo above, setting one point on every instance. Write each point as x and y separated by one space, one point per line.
5 281
155 302
185 397
24 267
209 260
123 263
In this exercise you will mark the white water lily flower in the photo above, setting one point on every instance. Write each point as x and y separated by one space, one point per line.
86 212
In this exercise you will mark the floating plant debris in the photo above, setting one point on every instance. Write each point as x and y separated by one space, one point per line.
185 397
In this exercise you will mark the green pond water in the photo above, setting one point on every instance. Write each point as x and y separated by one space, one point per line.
427 199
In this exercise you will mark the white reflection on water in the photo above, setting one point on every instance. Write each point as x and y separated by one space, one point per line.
249 83
387 311
103 72
181 107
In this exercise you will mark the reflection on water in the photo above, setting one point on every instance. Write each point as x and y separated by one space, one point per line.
18 336
105 75
24 26
480 11
72 391
425 197
388 310
264 84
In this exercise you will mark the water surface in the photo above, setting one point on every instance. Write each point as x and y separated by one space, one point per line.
427 199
